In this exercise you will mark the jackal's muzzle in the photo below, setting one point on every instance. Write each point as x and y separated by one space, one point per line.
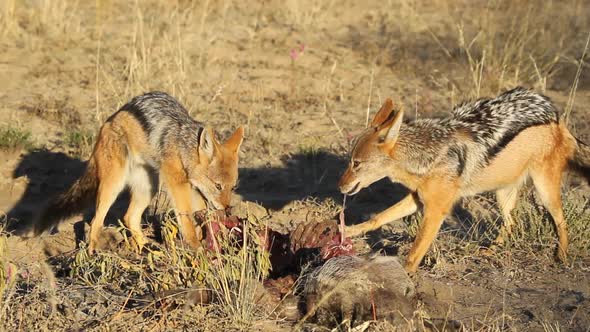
348 183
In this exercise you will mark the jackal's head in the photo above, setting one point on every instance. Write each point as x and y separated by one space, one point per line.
370 159
216 172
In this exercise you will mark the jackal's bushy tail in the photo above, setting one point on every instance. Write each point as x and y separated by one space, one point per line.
62 206
580 162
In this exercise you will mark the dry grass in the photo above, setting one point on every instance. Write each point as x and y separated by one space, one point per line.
487 50
169 279
81 143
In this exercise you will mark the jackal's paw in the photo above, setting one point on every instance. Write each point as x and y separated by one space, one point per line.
352 231
91 248
500 240
411 267
139 241
26 232
193 243
362 228
562 256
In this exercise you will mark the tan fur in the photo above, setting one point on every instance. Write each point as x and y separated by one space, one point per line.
180 191
539 152
119 159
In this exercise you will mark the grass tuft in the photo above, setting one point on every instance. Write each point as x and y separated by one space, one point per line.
81 142
15 138
232 276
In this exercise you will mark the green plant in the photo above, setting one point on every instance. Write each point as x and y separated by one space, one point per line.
81 142
15 138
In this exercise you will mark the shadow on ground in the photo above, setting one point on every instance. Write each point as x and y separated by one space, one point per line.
48 174
314 175
310 175
302 175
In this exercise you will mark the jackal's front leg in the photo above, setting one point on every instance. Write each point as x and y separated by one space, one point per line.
198 201
405 207
182 198
181 194
438 198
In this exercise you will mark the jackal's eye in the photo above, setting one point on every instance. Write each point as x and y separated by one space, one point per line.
356 163
218 186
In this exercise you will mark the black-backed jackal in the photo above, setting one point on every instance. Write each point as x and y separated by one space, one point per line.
151 139
486 145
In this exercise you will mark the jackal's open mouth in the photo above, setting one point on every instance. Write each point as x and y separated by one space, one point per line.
354 189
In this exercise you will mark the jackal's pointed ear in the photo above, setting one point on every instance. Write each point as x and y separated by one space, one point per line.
383 114
390 129
233 143
207 142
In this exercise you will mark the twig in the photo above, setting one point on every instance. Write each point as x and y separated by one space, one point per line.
373 305
123 306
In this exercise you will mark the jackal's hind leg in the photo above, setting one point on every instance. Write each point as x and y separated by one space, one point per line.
142 189
506 198
111 163
547 181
